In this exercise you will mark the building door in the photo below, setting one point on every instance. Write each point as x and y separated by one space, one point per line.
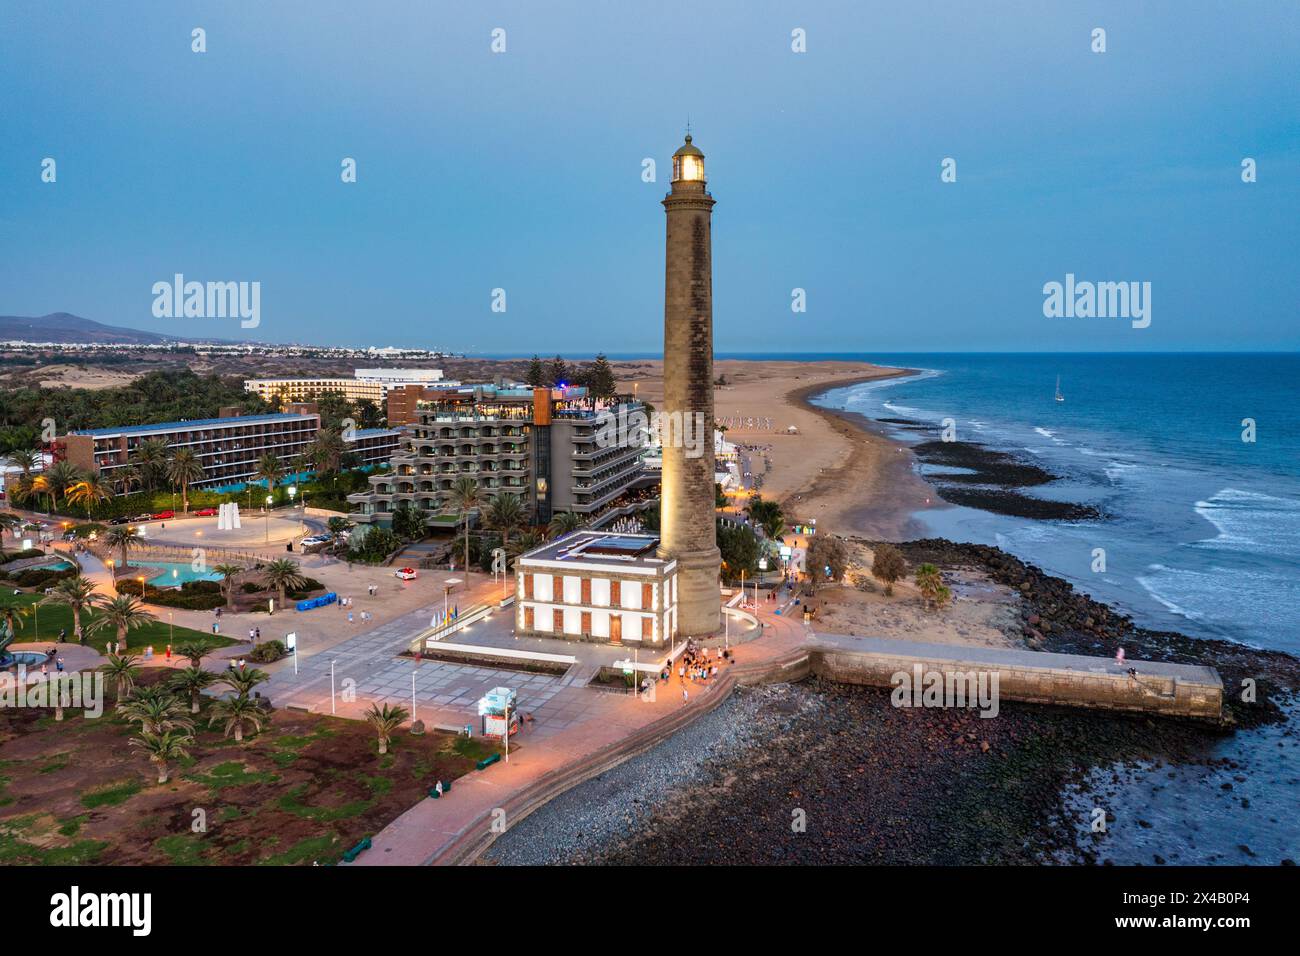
616 628
528 619
557 621
586 624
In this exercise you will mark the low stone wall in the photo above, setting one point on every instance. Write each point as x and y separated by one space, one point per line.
1041 678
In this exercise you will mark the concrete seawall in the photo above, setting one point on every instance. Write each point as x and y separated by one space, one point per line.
1177 690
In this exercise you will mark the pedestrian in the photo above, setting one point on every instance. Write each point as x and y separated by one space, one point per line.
250 635
63 634
257 633
686 695
59 665
349 617
45 669
169 652
242 664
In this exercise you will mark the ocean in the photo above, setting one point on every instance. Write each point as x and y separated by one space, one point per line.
1200 528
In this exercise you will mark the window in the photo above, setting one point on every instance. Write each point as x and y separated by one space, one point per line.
647 627
528 619
615 594
586 624
528 587
586 594
647 596
557 621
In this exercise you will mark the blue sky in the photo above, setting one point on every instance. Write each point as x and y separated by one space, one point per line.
522 170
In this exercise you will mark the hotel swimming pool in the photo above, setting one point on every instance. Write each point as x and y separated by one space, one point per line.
171 574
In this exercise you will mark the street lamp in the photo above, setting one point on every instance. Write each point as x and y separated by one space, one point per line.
268 519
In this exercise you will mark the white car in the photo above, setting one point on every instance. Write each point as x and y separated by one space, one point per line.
405 574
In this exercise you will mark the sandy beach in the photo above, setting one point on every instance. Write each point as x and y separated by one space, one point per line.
814 461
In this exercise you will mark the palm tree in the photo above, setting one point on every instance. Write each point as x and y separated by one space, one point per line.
90 491
9 522
326 450
13 621
27 489
192 680
774 527
268 467
156 713
505 514
127 479
121 613
283 575
464 493
228 573
163 748
151 459
385 720
528 540
59 478
183 469
565 522
236 712
195 651
76 593
930 583
123 539
25 459
337 527
242 681
121 673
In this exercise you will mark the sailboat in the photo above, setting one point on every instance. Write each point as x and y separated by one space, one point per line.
1059 396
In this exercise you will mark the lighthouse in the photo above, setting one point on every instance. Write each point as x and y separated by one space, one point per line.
687 528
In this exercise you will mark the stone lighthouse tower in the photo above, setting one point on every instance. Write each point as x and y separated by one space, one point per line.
688 532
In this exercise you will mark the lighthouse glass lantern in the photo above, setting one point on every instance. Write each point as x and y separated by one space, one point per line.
688 164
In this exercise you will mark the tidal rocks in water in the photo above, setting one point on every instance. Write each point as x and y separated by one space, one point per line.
987 467
1015 505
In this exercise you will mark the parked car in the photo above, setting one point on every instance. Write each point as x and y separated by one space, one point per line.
141 518
205 512
119 520
405 574
164 515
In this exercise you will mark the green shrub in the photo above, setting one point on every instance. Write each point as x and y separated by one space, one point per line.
41 577
268 652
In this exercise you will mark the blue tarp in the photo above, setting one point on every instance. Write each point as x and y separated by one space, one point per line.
317 602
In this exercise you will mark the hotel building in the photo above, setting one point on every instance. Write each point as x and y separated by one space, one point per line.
539 443
228 447
592 585
366 384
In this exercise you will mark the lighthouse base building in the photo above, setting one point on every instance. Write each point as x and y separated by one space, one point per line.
597 586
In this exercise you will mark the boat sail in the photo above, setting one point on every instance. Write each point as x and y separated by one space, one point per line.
1059 396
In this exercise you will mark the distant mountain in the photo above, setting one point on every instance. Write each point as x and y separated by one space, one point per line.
73 329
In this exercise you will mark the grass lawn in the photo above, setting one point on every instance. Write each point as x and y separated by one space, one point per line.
304 790
43 624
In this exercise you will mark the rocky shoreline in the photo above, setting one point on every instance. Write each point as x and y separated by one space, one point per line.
879 784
